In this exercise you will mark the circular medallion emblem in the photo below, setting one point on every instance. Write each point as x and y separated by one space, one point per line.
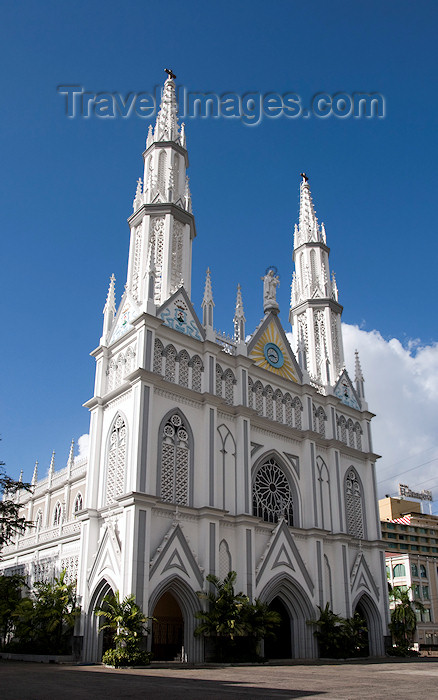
273 355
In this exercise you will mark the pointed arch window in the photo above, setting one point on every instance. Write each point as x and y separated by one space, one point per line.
350 432
358 430
278 403
354 504
229 381
175 460
158 356
313 267
269 394
225 565
399 570
115 478
197 368
183 374
258 391
169 371
161 172
78 505
298 407
272 494
57 514
219 377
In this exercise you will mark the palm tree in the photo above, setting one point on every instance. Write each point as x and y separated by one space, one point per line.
403 618
125 618
224 615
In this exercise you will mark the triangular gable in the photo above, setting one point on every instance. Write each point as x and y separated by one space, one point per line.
361 577
178 313
107 556
270 349
282 551
127 311
176 554
346 392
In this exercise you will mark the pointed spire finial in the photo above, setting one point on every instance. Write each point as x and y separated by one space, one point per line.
109 311
138 200
52 462
207 301
166 127
358 376
20 478
239 318
308 229
35 474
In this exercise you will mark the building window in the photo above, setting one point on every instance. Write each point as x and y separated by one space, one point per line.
39 520
425 592
416 589
353 505
57 513
78 503
425 615
115 477
423 572
175 461
399 570
272 496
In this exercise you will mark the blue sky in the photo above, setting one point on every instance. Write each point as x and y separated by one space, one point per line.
68 184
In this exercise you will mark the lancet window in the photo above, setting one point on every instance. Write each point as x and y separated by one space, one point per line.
175 460
158 356
197 368
169 370
269 403
183 374
272 495
229 381
354 504
116 461
78 505
57 514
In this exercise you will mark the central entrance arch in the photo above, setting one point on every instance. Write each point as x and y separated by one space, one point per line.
280 646
167 629
289 598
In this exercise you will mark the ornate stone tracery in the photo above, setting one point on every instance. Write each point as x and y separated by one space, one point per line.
175 461
115 477
353 504
272 496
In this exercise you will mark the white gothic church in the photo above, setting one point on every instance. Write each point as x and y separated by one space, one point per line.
209 453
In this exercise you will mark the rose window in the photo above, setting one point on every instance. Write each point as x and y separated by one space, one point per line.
272 496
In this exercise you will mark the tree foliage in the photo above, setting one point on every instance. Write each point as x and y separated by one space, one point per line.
403 618
235 624
339 637
128 624
11 521
10 598
44 621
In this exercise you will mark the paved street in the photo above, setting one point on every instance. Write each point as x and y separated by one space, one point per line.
386 680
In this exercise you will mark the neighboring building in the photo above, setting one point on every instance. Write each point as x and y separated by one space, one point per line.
411 539
211 453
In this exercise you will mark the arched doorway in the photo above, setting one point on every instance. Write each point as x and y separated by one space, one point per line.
367 608
361 612
167 629
280 646
96 643
296 609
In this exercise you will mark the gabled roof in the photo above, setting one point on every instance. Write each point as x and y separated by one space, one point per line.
270 349
345 391
178 313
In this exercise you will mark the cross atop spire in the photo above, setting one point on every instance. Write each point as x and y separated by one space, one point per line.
307 230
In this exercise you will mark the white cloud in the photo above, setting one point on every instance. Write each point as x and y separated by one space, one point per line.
401 387
82 447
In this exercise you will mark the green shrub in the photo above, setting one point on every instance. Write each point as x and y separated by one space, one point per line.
122 657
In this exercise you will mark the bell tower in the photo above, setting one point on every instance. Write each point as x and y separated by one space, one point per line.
315 312
162 224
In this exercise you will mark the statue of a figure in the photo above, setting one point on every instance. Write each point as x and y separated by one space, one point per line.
270 284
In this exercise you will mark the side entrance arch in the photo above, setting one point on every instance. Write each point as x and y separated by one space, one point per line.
96 643
367 608
174 604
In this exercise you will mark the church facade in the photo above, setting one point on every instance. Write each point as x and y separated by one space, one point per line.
211 453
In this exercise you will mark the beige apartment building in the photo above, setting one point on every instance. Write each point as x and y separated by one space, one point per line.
412 559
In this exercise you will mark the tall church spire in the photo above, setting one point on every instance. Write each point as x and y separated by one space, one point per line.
109 311
239 318
162 225
315 313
